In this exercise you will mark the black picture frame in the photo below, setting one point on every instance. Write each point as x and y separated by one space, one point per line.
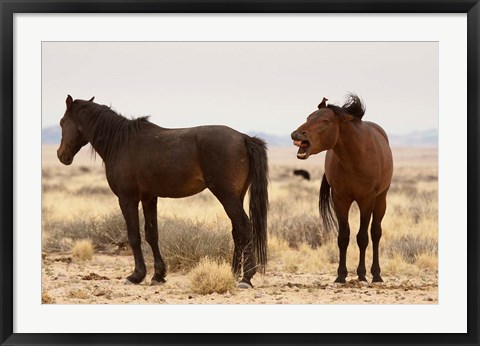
9 7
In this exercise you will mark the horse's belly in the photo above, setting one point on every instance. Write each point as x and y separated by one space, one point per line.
174 184
180 191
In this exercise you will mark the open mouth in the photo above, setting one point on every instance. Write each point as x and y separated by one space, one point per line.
303 148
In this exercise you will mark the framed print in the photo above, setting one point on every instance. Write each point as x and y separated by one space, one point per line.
307 173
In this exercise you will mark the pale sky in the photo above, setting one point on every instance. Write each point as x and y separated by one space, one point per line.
266 87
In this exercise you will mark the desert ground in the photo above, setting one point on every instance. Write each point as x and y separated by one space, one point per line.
85 256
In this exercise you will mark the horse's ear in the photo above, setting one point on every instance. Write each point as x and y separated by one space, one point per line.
69 101
91 99
323 104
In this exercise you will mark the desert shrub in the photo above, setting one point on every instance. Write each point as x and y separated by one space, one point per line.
84 169
211 276
102 232
411 247
52 187
82 250
184 242
297 229
303 190
408 189
92 190
418 208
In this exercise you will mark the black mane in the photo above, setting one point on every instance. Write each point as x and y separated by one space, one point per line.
109 130
353 106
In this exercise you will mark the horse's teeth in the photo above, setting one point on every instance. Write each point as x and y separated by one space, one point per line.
297 143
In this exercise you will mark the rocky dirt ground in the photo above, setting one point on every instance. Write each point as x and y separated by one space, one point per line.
102 281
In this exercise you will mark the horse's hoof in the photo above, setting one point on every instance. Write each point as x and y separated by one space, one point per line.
156 282
133 280
377 280
362 279
127 282
244 285
340 281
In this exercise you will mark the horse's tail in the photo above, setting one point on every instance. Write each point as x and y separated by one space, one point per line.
325 205
258 178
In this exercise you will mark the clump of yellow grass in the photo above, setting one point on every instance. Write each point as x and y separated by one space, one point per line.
210 276
82 250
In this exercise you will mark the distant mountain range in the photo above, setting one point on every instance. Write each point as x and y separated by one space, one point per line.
428 138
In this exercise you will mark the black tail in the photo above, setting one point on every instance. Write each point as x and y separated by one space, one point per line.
325 205
258 177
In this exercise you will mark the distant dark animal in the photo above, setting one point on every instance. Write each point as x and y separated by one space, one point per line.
303 173
144 161
358 167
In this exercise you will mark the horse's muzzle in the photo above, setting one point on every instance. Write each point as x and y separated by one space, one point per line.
298 136
64 158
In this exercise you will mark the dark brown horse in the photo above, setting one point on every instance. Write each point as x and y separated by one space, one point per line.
144 161
358 167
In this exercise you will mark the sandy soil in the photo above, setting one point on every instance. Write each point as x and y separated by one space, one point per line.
102 281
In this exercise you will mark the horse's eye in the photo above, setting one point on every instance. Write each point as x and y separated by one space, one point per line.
326 121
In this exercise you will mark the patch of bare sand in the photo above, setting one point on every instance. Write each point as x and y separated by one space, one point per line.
102 281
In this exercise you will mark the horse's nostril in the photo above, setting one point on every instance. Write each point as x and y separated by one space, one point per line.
303 132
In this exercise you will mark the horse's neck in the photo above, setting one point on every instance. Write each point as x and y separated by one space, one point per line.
90 131
351 145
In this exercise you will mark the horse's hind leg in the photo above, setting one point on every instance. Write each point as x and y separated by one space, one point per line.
242 236
237 248
151 236
129 208
237 253
376 232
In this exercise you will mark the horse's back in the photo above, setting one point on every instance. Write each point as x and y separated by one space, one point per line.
384 154
378 131
382 143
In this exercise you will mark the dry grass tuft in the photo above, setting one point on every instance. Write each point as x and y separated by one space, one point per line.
83 250
184 242
427 261
210 276
47 299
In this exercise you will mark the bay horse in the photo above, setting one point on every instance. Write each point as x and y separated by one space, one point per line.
144 161
358 167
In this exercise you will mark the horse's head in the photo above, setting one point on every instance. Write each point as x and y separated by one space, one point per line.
321 130
72 137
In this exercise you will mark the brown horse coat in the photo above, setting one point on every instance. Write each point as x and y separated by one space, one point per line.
144 161
358 167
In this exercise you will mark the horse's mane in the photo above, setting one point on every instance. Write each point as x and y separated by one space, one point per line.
110 131
353 105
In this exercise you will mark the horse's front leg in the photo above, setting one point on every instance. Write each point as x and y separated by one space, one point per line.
366 208
342 206
151 236
129 208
